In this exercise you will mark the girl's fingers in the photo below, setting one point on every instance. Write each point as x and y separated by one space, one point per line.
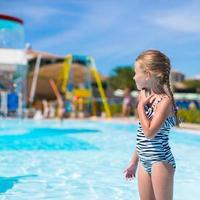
151 95
128 174
125 171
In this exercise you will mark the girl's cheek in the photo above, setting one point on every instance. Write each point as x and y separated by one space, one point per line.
137 78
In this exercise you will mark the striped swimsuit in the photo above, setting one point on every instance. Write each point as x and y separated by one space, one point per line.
157 148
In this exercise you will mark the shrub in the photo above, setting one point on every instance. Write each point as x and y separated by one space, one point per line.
192 115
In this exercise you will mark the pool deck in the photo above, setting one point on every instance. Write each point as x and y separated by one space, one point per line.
183 126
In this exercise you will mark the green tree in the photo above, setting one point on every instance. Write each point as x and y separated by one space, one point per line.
193 84
122 77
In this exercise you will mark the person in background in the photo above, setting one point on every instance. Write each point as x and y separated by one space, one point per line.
127 103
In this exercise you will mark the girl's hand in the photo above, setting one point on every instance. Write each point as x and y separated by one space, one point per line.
142 99
130 171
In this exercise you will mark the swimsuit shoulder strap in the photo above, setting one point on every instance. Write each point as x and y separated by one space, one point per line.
157 101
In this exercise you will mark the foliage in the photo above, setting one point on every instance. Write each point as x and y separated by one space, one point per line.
193 84
191 116
122 77
115 109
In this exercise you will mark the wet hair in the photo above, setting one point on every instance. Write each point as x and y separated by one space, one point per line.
158 64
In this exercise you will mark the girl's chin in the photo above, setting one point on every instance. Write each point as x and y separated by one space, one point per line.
139 87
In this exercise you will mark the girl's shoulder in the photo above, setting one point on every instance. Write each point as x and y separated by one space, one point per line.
169 104
155 99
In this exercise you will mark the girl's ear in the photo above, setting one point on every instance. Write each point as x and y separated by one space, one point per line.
148 75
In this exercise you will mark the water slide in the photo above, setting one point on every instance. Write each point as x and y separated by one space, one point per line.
71 79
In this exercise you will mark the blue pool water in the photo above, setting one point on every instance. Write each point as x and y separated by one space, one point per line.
76 160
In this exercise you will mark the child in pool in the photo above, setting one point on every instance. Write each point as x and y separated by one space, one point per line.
157 114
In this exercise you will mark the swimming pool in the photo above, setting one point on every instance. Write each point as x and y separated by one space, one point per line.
83 160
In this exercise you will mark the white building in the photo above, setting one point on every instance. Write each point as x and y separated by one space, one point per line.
177 76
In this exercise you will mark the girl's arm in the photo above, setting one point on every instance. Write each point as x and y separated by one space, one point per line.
134 159
151 127
130 171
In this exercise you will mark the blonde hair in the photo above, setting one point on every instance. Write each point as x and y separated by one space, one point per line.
159 65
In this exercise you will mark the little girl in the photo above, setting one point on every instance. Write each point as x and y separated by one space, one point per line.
157 114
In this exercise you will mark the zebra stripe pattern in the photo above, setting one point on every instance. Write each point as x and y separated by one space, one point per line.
155 149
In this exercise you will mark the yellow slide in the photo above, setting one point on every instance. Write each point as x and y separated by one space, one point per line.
64 76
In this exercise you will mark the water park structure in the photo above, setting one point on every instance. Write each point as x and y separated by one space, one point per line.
71 81
12 66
